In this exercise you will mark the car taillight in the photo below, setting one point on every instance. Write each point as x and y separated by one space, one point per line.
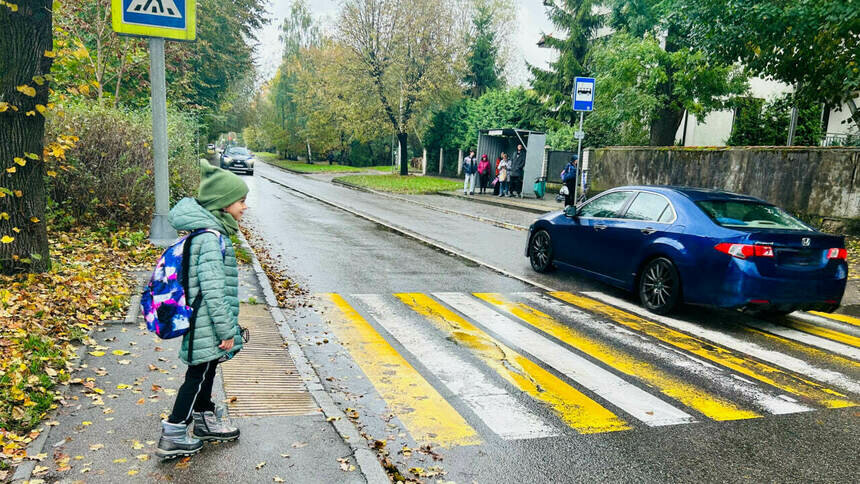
837 254
744 251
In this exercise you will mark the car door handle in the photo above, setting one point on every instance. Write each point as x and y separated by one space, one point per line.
599 227
648 230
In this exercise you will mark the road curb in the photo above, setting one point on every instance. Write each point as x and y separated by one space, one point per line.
420 238
368 464
24 471
497 223
496 203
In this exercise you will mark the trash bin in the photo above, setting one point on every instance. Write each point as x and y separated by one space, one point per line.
540 187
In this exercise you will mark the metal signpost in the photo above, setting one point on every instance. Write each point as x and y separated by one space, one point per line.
583 101
158 20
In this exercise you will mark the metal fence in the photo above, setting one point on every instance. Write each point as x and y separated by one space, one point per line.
555 162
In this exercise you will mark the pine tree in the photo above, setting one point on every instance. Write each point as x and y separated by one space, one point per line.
484 72
578 19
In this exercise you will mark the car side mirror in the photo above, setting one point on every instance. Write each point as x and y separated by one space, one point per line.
570 211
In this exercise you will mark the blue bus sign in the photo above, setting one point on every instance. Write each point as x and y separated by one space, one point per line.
583 94
169 19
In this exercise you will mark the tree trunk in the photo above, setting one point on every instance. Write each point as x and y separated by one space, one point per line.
401 142
24 38
665 126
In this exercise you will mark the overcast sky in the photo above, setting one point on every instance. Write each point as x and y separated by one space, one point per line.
531 22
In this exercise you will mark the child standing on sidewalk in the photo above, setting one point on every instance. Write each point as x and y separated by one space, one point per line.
219 206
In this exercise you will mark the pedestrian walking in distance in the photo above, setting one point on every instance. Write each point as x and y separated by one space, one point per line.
568 177
516 172
212 272
484 172
502 171
470 168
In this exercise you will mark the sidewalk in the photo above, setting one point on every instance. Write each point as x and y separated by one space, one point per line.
107 427
533 205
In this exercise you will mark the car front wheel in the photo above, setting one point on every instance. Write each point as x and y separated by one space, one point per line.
540 252
659 286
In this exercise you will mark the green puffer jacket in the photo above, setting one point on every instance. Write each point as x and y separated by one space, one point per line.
217 277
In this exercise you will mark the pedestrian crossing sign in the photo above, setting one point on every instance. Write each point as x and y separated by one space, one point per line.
169 19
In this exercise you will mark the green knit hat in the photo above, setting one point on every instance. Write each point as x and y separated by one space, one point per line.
219 188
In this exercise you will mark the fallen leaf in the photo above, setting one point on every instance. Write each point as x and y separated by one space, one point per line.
120 461
136 445
142 457
95 447
299 445
86 423
260 465
133 472
97 353
155 387
285 456
124 362
122 386
40 470
141 401
277 479
153 368
332 419
120 352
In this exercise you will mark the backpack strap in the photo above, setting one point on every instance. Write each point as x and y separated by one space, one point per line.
186 275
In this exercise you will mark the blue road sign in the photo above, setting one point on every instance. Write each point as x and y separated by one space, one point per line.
583 94
170 19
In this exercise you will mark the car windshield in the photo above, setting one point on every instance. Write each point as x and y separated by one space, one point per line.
736 213
238 151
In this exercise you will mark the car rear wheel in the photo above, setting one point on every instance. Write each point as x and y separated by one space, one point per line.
540 252
659 286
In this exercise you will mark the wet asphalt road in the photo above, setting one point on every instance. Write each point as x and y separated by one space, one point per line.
789 428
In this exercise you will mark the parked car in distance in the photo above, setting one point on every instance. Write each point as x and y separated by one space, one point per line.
673 245
238 159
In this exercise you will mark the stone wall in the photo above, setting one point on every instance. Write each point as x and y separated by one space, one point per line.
812 182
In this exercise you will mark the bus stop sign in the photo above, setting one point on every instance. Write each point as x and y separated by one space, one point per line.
168 19
583 94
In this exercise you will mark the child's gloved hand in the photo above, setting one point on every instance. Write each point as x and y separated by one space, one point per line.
226 344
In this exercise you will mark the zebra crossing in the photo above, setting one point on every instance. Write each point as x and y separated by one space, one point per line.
531 365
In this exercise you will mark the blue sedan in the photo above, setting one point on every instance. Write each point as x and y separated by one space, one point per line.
676 244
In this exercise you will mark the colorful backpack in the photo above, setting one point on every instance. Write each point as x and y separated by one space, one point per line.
163 303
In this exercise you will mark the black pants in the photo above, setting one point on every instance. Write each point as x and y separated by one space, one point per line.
485 178
517 185
571 187
195 394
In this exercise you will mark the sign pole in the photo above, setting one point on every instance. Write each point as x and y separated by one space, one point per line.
161 232
578 158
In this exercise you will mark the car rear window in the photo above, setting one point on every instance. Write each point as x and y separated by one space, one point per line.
743 214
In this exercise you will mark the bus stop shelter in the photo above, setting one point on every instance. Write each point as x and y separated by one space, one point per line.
492 142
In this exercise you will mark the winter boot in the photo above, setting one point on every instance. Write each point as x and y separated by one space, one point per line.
175 441
215 425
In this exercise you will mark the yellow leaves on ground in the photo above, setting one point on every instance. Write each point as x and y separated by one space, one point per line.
26 90
44 315
19 161
35 220
11 169
120 352
4 106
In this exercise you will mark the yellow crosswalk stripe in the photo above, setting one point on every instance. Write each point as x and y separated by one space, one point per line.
738 362
838 317
708 404
811 351
576 409
427 416
823 332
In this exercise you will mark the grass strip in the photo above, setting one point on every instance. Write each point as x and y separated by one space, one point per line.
402 184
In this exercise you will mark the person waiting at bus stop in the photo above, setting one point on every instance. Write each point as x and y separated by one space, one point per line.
568 177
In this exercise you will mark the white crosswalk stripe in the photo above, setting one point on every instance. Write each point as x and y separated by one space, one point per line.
720 377
788 362
638 403
808 339
499 410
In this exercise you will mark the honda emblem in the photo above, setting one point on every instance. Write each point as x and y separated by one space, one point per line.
805 241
